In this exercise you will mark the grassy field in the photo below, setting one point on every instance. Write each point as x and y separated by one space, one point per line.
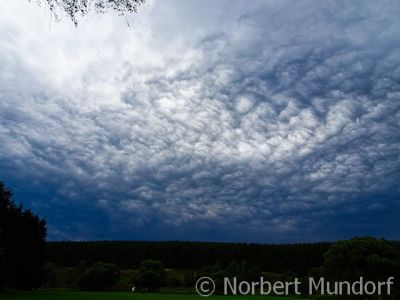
60 295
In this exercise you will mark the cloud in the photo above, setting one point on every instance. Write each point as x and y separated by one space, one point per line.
269 121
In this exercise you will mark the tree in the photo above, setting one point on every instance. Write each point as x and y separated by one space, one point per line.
189 278
243 271
99 277
373 259
172 279
22 244
370 258
151 275
74 8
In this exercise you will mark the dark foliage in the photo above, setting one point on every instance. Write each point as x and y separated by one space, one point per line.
173 280
189 279
243 271
99 277
298 258
151 276
22 244
373 259
370 258
76 8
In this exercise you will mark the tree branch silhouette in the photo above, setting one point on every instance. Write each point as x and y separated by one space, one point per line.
76 8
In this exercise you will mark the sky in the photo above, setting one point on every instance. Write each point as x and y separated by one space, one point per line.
253 121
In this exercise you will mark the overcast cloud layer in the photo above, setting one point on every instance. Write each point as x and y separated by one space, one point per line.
205 120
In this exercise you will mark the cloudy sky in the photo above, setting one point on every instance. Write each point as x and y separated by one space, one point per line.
266 121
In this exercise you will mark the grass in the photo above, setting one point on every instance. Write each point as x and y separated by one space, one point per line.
70 295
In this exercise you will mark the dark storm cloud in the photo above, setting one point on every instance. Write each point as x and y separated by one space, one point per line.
271 121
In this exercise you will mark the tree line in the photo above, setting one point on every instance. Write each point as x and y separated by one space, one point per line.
373 259
298 258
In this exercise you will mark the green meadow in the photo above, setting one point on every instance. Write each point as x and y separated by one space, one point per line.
69 295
